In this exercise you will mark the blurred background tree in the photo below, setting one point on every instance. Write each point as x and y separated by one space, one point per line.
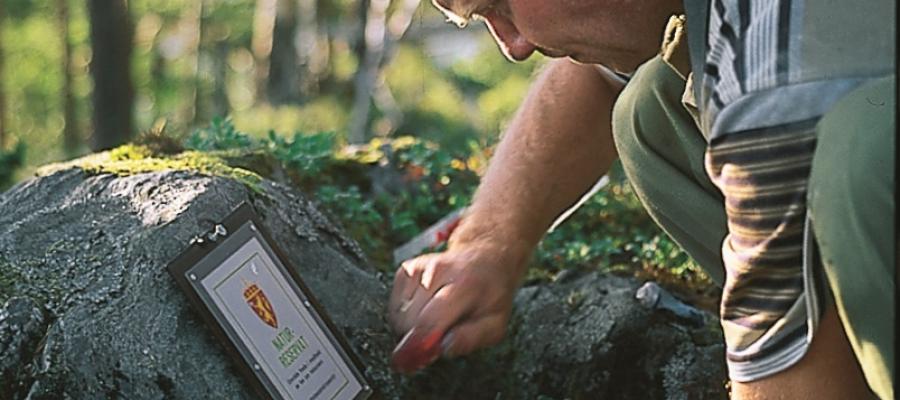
110 67
318 84
80 76
2 83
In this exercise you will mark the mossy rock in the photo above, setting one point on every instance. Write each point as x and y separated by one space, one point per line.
132 159
88 248
83 251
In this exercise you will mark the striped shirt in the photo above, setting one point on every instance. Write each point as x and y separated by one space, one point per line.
764 72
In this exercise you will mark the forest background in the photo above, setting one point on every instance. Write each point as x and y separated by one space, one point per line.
316 84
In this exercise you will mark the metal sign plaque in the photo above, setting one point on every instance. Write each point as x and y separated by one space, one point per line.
251 297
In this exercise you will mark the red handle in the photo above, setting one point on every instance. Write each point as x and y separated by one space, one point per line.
416 351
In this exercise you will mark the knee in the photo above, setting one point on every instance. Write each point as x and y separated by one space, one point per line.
854 158
648 97
851 189
828 370
624 124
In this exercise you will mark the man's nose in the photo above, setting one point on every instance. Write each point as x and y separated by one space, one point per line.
513 45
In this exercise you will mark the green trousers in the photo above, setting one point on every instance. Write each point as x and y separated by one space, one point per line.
850 200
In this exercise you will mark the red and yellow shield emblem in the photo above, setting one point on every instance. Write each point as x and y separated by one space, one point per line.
260 305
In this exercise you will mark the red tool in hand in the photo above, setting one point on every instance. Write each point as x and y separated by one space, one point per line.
416 350
433 236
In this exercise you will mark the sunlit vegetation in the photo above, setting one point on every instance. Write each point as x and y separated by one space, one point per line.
204 67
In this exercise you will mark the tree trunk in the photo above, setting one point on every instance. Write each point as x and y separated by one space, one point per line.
306 45
220 105
198 113
367 74
283 86
294 61
3 121
397 26
113 96
325 51
380 36
261 44
359 38
71 139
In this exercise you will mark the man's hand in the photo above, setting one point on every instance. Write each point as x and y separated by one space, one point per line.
556 147
452 303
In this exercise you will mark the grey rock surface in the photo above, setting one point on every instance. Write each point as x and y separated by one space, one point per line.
586 337
88 311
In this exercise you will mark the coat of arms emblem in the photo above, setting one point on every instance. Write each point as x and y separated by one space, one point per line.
260 304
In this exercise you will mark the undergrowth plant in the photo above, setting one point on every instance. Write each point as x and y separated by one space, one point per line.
9 162
387 191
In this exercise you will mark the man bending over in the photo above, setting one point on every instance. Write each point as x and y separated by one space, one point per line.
760 136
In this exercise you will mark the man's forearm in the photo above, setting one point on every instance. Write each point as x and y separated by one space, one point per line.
558 144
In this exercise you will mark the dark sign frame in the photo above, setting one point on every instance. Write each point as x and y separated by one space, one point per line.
218 244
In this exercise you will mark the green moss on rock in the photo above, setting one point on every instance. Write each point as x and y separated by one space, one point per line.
133 159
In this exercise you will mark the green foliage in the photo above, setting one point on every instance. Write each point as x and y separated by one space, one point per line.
449 103
32 79
426 181
611 230
440 183
456 110
20 9
219 135
307 154
358 214
9 162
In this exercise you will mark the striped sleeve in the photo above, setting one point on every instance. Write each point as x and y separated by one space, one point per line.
764 175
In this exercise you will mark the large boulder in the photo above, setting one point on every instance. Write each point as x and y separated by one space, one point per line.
584 336
88 310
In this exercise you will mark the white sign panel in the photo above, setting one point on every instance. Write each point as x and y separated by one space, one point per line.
270 320
278 328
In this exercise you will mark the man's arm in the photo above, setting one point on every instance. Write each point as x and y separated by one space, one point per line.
558 144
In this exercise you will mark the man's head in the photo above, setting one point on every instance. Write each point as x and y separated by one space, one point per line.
618 33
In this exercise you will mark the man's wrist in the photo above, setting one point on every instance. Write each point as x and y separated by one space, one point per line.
511 251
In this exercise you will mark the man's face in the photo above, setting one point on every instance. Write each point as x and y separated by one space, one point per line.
618 33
